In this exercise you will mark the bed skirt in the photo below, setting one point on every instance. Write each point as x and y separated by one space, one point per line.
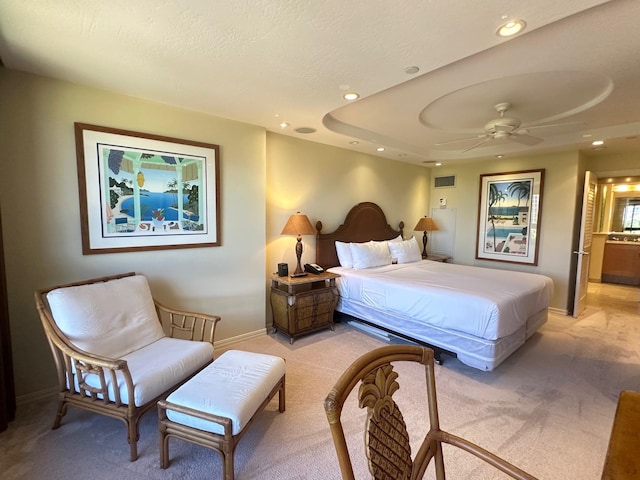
476 352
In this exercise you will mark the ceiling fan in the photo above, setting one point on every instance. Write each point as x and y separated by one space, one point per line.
502 128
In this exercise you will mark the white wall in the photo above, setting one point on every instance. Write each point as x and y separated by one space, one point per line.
40 213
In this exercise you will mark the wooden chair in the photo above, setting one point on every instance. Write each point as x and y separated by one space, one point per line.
104 334
386 439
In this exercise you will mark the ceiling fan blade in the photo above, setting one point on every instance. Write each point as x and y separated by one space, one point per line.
485 140
549 125
525 139
451 142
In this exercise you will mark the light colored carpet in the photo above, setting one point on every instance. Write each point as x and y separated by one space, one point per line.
548 409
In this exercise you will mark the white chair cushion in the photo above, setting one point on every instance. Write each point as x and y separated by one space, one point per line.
233 386
406 251
158 367
109 318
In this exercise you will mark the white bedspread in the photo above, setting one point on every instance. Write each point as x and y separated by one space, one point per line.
484 302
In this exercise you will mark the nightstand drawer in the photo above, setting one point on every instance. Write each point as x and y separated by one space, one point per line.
314 308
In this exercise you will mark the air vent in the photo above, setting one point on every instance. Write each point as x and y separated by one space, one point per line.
441 182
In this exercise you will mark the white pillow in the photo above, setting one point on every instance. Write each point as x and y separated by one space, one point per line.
370 254
344 254
397 239
406 251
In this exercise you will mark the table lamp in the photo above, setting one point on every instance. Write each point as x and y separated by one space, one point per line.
425 224
299 225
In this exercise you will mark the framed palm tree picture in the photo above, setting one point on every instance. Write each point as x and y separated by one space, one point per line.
509 216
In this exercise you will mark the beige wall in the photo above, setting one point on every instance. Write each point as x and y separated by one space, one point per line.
40 212
265 177
324 182
558 208
615 164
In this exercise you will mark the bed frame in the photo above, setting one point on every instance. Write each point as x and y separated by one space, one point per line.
366 221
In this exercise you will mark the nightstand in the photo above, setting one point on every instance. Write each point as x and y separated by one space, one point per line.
304 304
439 258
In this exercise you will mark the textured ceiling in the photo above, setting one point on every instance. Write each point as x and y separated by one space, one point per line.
265 62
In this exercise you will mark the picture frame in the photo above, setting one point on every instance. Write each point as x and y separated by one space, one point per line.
140 191
509 215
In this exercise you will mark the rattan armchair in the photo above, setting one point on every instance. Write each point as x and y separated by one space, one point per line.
120 385
386 438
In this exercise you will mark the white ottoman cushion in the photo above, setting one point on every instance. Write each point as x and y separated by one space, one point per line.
233 386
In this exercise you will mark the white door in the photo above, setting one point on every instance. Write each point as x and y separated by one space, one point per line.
584 248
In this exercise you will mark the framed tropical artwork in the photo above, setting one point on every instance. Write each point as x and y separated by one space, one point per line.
509 216
145 192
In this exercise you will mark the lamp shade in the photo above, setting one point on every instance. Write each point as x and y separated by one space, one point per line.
425 224
298 224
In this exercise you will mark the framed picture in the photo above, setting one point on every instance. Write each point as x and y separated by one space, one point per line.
509 216
145 192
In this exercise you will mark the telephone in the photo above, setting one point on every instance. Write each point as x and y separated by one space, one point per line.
313 268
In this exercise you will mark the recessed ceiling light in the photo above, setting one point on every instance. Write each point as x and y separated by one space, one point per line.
499 156
380 149
351 96
511 28
354 142
438 164
305 130
411 70
597 143
284 125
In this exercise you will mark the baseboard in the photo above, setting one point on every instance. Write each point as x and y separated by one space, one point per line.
559 311
240 338
36 396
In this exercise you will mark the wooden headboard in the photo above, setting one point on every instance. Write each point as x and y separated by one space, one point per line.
366 221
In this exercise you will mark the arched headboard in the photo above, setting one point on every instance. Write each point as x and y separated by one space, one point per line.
365 221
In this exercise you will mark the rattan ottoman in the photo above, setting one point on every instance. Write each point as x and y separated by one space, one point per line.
216 406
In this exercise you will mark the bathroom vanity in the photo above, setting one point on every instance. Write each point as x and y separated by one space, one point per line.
621 260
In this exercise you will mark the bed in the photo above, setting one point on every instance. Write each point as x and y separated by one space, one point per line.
480 315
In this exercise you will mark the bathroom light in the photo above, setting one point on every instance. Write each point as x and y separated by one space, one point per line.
511 28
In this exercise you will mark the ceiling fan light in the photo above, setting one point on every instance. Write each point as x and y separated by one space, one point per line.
511 28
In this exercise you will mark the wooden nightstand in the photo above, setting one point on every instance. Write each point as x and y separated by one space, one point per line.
303 305
439 258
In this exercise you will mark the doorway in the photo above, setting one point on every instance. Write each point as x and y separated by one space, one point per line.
612 186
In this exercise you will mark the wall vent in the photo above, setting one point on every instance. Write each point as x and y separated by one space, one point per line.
441 182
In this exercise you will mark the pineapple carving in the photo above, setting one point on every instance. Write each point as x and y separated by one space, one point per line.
386 434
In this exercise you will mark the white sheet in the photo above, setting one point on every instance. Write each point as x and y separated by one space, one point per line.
483 302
